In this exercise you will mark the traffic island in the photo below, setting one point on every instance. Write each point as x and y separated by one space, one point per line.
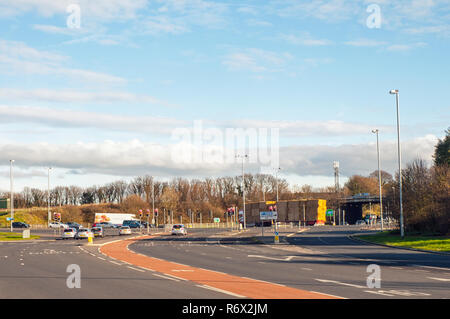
4 236
423 243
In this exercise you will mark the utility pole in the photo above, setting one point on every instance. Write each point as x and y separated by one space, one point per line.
48 196
402 231
153 200
337 188
243 186
379 178
11 178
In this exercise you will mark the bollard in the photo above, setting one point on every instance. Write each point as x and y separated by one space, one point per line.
90 240
277 238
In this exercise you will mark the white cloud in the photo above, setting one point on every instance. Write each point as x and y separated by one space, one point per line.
70 118
136 157
365 43
18 58
257 60
72 96
405 47
106 10
305 39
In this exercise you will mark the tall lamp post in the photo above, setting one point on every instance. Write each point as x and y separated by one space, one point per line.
376 131
48 196
243 186
11 178
402 231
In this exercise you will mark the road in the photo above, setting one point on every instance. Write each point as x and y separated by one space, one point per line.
322 261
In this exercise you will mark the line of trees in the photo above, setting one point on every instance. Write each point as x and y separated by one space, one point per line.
426 192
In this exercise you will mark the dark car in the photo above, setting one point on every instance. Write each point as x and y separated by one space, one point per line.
73 225
131 223
105 225
20 225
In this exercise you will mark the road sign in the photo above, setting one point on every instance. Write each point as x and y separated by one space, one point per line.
271 202
9 218
329 212
268 215
217 220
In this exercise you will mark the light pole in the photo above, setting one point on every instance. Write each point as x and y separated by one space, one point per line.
243 186
11 178
48 196
376 131
276 177
402 231
153 201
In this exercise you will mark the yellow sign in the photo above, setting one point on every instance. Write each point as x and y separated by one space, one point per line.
271 202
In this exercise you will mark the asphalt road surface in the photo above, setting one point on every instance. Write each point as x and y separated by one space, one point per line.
321 259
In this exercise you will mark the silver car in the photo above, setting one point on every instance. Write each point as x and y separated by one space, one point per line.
69 233
179 229
84 233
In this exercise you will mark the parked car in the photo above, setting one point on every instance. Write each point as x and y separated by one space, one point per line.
84 233
360 222
20 225
131 223
57 225
125 230
69 233
105 225
73 225
98 231
179 229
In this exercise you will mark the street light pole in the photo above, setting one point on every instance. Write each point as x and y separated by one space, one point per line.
12 192
48 196
376 131
243 187
402 231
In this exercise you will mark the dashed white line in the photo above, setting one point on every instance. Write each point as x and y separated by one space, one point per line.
161 276
221 291
136 269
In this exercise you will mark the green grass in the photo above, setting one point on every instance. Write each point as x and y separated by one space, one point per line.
432 243
14 236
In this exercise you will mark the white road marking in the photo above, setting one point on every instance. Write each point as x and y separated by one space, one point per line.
439 268
340 283
182 270
136 269
306 268
322 293
161 276
378 293
287 258
101 258
221 291
440 279
115 263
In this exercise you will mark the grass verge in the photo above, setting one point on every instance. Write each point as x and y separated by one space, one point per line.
431 243
14 236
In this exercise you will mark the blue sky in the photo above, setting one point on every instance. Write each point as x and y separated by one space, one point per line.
102 102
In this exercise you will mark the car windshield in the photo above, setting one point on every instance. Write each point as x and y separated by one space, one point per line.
68 230
177 226
124 227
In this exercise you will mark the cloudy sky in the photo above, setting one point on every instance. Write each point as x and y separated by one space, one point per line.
112 89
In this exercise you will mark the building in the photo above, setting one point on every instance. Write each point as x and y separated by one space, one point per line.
5 203
304 211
